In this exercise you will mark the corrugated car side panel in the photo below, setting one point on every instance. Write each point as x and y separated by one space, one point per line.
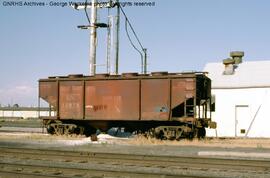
112 100
155 99
71 99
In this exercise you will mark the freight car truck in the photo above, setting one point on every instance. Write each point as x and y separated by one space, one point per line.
164 105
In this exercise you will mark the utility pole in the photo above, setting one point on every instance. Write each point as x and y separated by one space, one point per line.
93 38
145 61
117 37
109 38
93 34
112 26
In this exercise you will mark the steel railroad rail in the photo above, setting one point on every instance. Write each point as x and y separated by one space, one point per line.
133 165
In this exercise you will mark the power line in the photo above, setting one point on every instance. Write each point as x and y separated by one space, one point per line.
127 22
86 13
131 27
142 52
134 46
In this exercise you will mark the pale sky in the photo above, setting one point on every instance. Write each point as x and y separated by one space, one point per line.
180 35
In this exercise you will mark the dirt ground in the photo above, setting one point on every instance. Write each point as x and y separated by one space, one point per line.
136 145
34 137
208 142
30 122
258 143
21 125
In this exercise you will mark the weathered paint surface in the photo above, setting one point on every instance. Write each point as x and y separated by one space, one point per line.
155 99
182 89
130 98
71 99
49 91
118 99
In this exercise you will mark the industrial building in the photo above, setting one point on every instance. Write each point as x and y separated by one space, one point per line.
23 112
241 92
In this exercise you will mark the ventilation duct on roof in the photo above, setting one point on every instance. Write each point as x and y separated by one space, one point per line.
231 63
237 56
229 66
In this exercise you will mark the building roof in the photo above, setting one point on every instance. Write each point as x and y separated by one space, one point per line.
249 74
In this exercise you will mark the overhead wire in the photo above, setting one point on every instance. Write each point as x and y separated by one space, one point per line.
127 22
134 46
131 27
86 13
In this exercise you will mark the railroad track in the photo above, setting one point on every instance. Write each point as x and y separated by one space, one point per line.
58 163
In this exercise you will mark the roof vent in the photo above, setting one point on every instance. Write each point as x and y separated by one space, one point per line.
52 77
232 63
229 66
62 77
101 75
143 75
130 74
114 75
75 75
159 73
237 56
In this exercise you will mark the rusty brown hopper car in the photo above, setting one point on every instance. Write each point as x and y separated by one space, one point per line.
164 105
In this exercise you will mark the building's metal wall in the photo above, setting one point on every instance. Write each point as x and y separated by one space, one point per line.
23 112
257 100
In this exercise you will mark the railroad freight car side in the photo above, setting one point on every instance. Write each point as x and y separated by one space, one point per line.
164 105
112 100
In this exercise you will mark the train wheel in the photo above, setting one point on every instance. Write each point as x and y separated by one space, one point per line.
90 131
201 133
79 130
161 136
150 133
50 129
